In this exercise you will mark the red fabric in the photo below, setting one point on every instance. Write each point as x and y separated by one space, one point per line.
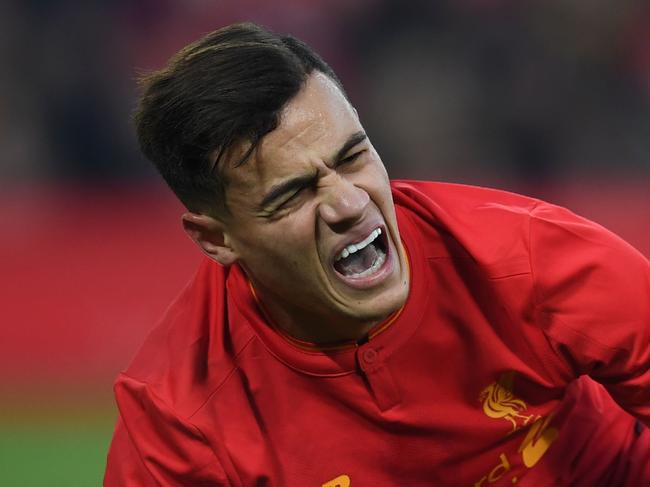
481 380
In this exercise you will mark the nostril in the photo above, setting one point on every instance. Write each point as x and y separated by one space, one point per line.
343 225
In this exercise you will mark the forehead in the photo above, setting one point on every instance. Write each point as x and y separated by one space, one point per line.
312 127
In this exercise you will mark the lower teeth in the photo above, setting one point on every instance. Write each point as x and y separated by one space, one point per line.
379 261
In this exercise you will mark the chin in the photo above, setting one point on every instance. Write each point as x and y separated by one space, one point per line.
377 309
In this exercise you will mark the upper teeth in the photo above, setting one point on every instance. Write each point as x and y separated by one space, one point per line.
352 248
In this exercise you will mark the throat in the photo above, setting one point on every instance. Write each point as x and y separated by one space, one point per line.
362 262
309 326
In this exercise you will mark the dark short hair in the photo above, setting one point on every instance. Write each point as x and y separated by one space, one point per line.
226 88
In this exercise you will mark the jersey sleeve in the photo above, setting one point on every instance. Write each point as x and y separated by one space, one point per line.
153 446
592 297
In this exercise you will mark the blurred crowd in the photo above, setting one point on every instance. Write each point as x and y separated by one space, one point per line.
466 90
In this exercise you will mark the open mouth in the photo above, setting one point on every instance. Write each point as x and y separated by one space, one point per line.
364 258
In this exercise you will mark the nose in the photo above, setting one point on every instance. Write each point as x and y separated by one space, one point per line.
343 204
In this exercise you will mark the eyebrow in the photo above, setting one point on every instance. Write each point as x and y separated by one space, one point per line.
353 140
285 187
298 182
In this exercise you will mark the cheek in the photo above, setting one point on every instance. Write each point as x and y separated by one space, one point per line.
374 180
287 242
382 176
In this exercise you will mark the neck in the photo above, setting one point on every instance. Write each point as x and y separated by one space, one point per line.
317 328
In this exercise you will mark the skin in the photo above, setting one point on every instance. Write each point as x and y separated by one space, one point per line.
286 245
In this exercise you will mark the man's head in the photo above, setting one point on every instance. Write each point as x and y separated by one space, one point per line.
224 89
304 203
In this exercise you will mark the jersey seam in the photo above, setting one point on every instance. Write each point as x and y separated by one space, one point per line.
582 335
176 413
207 443
535 292
537 301
225 379
137 450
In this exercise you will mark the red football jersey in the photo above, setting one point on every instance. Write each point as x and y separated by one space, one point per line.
522 323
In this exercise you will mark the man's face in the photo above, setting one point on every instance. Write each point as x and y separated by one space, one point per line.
314 187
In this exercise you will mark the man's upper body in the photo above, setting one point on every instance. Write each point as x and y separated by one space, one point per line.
472 382
346 332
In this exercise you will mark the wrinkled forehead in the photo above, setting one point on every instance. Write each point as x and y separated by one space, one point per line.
311 129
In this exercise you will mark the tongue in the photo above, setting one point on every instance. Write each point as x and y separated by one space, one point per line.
358 262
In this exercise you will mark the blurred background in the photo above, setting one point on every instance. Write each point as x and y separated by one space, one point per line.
547 97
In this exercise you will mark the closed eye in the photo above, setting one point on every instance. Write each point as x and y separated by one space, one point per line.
291 198
351 158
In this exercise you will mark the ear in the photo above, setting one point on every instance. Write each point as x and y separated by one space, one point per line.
208 233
